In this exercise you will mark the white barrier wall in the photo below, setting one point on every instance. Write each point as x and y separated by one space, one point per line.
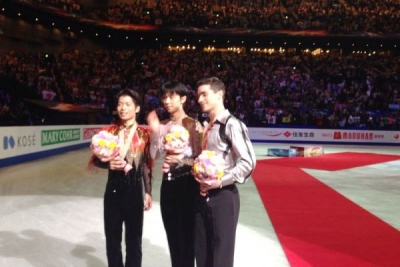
22 141
20 144
317 136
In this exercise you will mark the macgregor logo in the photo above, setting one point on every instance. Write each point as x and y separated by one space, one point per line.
8 142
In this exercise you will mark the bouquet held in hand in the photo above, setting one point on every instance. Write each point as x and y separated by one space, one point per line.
105 145
175 142
208 166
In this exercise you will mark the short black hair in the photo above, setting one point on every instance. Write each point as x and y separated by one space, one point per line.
172 87
133 94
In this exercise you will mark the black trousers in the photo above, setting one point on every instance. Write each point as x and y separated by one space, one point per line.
177 202
123 203
216 220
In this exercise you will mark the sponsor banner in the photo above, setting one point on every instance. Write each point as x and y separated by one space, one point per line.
89 132
19 141
51 137
325 136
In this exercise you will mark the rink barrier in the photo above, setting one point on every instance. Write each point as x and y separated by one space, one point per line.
26 143
21 144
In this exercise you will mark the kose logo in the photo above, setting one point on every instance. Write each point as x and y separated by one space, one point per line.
8 141
22 141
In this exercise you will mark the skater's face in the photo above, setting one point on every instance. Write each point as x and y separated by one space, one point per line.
208 98
173 102
127 109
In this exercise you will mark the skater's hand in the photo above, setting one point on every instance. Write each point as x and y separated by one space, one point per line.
148 202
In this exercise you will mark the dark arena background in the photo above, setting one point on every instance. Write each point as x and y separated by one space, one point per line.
316 83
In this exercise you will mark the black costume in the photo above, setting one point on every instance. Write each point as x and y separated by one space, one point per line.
179 191
123 200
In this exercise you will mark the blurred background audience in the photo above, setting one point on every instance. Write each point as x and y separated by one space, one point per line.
274 88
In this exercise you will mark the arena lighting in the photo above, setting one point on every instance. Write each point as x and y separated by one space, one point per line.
36 19
3 9
242 42
170 39
141 38
97 34
126 37
156 39
19 14
69 28
338 44
109 36
81 31
199 41
53 24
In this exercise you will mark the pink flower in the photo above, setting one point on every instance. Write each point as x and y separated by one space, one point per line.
175 142
208 166
105 145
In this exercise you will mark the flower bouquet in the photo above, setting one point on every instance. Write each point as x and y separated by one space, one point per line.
175 142
208 166
105 145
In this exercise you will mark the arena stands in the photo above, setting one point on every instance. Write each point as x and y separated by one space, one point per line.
321 87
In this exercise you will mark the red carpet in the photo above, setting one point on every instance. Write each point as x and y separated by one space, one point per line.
332 162
318 227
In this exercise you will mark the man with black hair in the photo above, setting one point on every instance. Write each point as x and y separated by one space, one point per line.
128 172
179 188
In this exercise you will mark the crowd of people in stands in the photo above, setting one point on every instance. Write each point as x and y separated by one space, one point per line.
290 89
333 16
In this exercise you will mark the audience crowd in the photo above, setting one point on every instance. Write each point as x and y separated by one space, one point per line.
290 89
333 16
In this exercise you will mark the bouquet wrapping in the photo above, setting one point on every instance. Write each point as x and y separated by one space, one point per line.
105 145
175 142
209 166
